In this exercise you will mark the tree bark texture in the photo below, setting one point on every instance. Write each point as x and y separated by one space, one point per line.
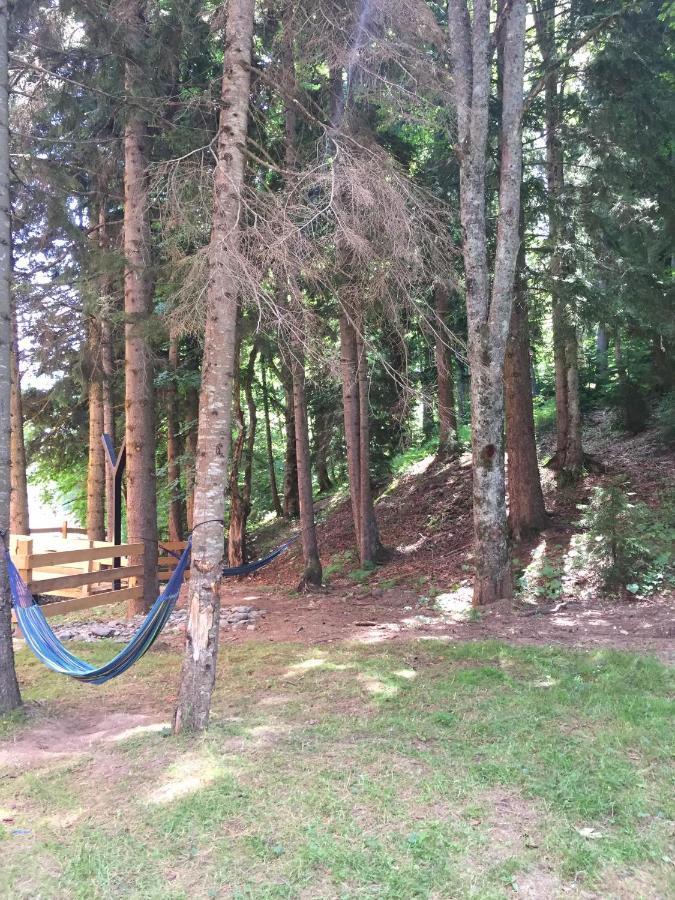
447 416
488 310
173 446
240 498
19 518
215 407
108 366
323 427
96 468
139 375
357 439
313 573
191 427
527 512
291 498
10 697
569 454
274 489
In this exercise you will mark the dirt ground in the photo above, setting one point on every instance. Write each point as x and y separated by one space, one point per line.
423 590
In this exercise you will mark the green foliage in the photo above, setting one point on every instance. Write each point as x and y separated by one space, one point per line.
631 543
665 417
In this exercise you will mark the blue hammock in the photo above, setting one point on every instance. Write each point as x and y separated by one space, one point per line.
49 649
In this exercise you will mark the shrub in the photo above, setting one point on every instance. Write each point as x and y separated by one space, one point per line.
665 417
631 543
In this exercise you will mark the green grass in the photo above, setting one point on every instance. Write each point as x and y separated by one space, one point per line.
415 770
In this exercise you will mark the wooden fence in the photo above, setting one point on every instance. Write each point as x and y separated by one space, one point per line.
79 574
86 576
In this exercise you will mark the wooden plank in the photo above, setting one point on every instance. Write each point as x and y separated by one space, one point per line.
50 571
57 529
43 586
80 603
173 545
72 556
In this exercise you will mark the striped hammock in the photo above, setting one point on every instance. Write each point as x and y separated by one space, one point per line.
49 649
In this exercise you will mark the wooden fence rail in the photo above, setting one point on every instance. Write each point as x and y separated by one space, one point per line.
78 573
79 577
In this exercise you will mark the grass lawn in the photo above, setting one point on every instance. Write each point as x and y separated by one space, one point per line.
402 771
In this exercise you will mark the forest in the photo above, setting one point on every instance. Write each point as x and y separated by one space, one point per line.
339 336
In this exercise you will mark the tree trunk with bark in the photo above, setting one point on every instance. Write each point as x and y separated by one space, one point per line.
10 697
568 459
323 425
447 416
107 358
19 519
139 385
527 512
96 460
215 407
602 350
274 490
291 498
313 572
240 499
191 408
173 446
357 438
488 306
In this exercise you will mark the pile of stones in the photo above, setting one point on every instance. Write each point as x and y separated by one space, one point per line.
235 618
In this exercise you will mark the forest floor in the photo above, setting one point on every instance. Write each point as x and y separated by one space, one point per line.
374 739
424 589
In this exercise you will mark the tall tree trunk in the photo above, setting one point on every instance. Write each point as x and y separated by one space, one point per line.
371 547
313 573
527 512
139 385
569 455
173 447
322 438
274 490
602 350
291 498
108 365
19 521
488 310
447 417
9 688
350 407
215 407
357 438
191 426
107 359
96 461
240 498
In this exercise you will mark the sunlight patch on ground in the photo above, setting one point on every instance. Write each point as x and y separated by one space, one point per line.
138 730
315 662
457 604
264 731
546 682
408 674
186 777
63 818
375 686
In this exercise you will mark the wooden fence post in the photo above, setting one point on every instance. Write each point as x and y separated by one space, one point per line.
64 530
23 552
135 581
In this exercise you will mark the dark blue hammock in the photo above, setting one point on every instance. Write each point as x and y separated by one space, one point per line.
49 649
